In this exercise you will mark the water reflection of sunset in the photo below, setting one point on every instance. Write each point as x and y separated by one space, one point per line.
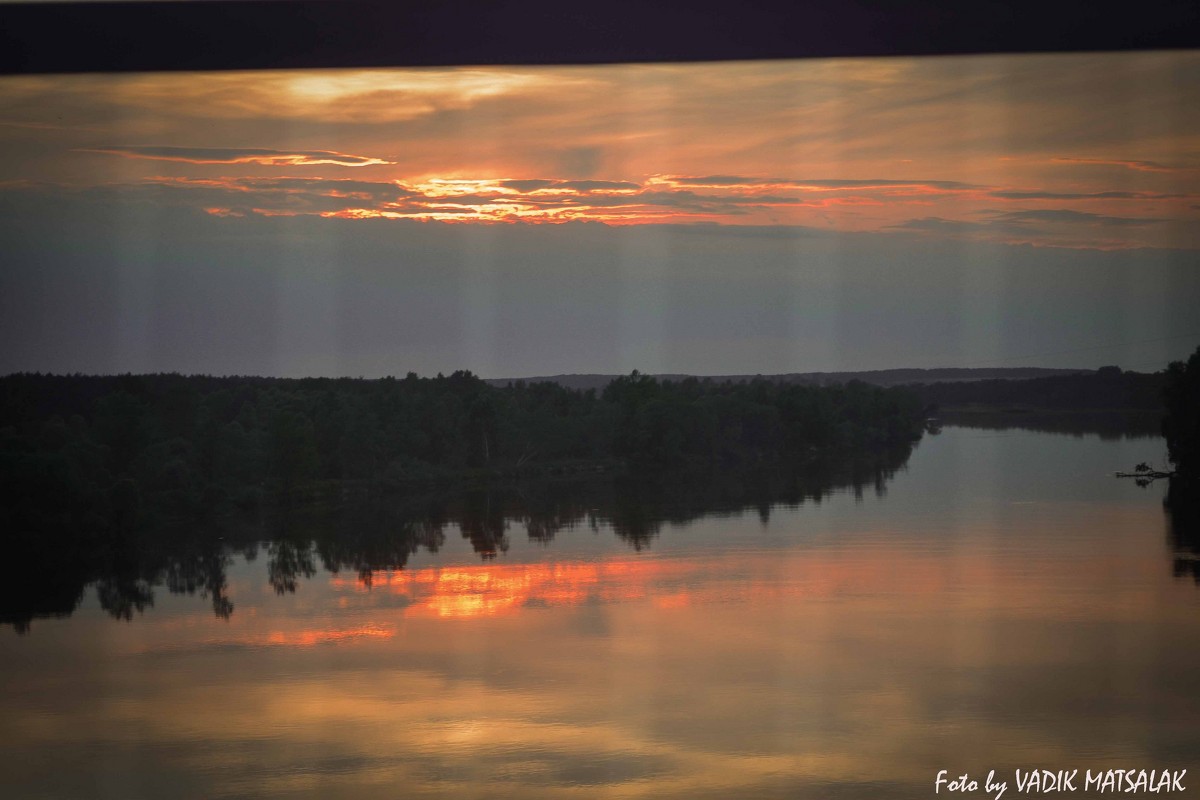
308 638
849 650
492 589
371 608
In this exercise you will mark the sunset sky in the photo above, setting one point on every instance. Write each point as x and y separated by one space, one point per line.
706 218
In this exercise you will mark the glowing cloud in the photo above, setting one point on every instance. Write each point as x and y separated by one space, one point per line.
840 145
222 155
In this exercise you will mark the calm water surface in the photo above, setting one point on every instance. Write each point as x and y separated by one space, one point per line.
1000 603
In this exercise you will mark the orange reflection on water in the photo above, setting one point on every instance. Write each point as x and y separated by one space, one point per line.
490 589
309 638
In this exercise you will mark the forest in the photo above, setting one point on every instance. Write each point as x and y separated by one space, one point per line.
100 450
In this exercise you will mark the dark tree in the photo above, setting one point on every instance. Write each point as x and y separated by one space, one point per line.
1181 425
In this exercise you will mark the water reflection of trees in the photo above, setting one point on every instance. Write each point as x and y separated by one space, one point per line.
128 559
1182 505
49 569
1108 425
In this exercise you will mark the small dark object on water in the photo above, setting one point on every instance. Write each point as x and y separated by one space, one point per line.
1144 474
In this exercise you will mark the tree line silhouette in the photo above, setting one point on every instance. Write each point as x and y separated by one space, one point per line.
1181 429
74 447
1108 388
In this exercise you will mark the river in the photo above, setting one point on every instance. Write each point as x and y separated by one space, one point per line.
998 602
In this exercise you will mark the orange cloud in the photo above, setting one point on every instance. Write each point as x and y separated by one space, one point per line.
222 155
657 200
1140 166
1038 213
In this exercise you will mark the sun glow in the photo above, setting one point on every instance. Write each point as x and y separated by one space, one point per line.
913 207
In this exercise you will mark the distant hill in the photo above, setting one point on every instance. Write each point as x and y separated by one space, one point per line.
881 377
